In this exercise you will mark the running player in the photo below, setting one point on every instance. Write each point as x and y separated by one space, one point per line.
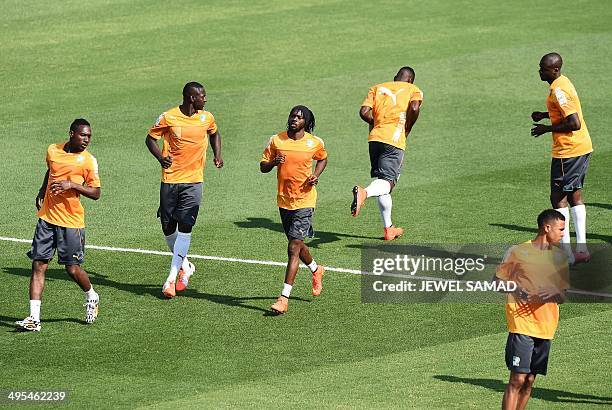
571 151
71 172
391 109
293 152
185 130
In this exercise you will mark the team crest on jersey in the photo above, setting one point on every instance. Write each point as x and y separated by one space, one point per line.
203 117
310 143
80 158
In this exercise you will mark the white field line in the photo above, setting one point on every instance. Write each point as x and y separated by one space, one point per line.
273 263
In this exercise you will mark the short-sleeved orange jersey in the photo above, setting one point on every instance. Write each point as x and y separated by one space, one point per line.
532 268
389 102
293 191
185 140
563 101
65 209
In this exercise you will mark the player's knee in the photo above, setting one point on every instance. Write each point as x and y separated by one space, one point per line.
558 201
39 266
185 228
575 198
529 379
517 380
294 247
168 227
73 270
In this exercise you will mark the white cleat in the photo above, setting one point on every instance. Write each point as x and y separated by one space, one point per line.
91 310
28 325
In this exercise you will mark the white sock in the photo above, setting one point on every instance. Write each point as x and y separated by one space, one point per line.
313 266
286 290
91 294
35 310
170 239
181 246
385 203
565 241
378 187
579 216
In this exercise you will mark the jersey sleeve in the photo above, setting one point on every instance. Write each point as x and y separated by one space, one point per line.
565 102
417 95
212 127
369 100
92 179
320 153
270 152
157 131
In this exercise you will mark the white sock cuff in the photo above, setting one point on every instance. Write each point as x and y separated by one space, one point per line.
286 290
312 266
378 187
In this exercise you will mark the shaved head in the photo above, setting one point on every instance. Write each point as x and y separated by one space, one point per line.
405 74
552 60
550 67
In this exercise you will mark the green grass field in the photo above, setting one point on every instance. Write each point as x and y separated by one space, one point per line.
473 174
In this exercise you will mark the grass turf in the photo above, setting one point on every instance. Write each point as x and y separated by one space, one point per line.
472 173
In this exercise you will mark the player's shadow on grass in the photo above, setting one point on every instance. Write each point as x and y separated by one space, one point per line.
143 290
605 238
552 395
6 321
599 205
320 238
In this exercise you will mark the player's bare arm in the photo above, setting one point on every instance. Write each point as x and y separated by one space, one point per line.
266 166
568 124
539 115
151 143
57 187
215 144
366 114
319 168
41 192
412 115
550 294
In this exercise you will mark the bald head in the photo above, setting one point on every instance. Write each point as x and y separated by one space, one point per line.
550 67
405 74
552 60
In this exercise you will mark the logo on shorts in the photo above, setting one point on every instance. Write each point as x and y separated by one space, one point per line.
516 361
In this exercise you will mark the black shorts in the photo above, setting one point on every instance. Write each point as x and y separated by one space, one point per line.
526 354
179 202
385 161
567 174
69 242
297 223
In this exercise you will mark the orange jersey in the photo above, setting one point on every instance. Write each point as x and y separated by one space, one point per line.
389 102
293 191
532 268
65 209
561 102
185 140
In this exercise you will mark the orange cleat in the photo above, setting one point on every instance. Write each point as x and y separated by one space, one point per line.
359 197
183 277
281 305
169 290
317 280
392 232
581 257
